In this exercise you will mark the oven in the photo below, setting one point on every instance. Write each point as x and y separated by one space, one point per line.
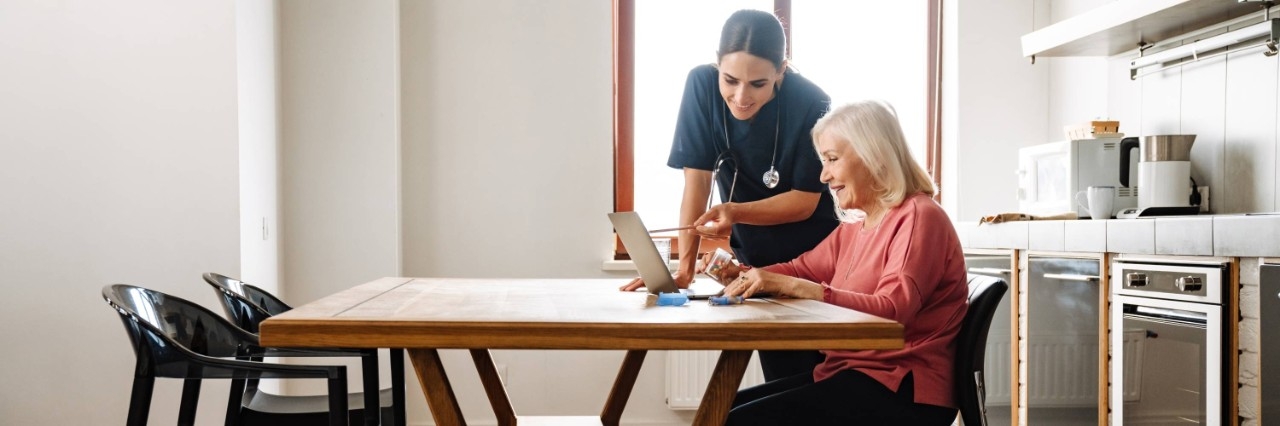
1169 332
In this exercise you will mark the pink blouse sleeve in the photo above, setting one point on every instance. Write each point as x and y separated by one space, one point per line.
818 264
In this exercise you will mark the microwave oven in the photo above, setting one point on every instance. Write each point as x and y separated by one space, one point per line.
1050 175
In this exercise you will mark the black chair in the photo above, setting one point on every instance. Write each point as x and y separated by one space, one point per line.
175 338
247 306
971 346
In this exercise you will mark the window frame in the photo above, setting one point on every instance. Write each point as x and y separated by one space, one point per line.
624 100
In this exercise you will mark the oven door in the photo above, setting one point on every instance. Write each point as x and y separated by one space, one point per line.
1172 365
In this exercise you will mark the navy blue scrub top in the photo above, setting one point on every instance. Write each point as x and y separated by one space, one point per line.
700 141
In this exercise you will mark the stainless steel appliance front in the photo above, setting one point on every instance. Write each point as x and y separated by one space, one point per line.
1167 348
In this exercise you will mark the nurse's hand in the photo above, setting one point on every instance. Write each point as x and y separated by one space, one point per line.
716 222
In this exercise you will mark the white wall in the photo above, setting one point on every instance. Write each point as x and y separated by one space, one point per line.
507 172
993 104
117 165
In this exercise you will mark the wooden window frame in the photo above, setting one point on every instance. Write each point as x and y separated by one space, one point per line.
624 100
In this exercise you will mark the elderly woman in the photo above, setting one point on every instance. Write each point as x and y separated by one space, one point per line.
895 255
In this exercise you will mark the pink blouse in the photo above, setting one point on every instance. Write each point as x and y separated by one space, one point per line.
909 268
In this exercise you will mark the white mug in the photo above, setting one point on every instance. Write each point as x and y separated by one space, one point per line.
1099 201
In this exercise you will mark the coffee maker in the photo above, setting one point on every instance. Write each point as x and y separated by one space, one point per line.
1165 186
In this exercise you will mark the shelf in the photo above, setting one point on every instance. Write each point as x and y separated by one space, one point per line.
1120 25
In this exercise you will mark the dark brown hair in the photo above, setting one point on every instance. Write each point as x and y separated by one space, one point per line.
756 32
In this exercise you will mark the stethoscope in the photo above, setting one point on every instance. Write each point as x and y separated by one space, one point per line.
771 177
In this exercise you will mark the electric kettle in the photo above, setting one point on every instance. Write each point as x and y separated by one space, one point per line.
1164 176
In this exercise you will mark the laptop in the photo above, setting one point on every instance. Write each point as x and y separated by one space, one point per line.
654 272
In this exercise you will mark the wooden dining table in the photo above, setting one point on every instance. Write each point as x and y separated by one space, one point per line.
424 315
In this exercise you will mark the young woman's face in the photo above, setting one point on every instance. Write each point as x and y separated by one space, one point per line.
843 172
746 83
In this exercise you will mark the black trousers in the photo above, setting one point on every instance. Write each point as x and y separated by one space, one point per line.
848 398
781 364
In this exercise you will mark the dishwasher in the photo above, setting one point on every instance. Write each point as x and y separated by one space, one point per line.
1062 346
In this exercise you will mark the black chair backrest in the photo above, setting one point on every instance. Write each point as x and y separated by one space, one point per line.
245 304
971 345
167 331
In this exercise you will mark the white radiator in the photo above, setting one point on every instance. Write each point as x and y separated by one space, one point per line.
996 372
688 373
1063 372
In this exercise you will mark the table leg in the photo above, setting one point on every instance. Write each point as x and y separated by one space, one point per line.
435 384
493 387
718 399
622 386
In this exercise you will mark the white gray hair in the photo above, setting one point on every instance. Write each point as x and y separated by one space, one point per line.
871 128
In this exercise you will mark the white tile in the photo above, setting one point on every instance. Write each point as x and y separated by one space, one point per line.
1246 236
1008 235
1161 101
1045 235
1124 96
1249 181
1135 236
1202 114
1190 236
1085 236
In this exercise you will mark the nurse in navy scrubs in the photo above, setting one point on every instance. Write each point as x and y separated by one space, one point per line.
745 123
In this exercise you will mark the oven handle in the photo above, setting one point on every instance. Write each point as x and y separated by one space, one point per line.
1166 321
992 271
1072 277
1154 312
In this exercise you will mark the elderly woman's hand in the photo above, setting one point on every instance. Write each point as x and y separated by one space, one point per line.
757 281
750 282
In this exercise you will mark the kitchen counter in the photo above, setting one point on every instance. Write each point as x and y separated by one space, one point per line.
1253 238
1230 235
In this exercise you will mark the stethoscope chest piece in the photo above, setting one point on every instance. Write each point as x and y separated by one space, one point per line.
771 178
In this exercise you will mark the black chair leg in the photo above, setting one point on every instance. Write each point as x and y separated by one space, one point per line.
140 400
397 387
234 402
190 399
338 400
369 374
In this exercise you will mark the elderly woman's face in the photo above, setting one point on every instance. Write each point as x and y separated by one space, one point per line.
746 83
844 173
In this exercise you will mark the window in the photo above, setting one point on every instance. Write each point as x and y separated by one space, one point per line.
853 50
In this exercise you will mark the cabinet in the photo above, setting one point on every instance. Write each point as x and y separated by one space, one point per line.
1064 330
1119 26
